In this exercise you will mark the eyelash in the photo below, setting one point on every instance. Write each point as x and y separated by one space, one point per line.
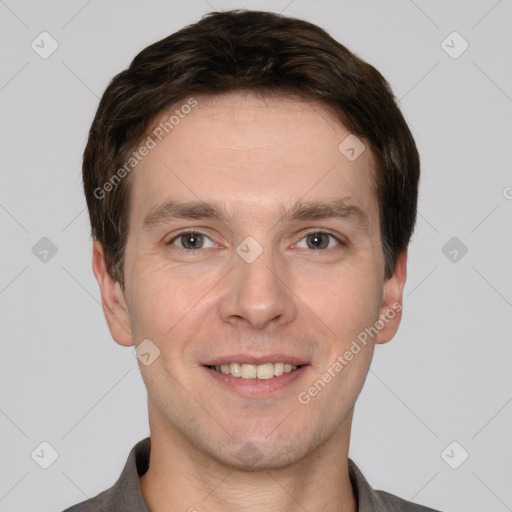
341 242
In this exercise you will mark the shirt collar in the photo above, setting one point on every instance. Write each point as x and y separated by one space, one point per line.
368 500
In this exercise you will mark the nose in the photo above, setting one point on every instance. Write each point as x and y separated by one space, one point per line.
258 294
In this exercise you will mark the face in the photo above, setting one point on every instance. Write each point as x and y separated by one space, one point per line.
283 270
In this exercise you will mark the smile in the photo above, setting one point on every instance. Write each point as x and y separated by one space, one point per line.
256 380
252 371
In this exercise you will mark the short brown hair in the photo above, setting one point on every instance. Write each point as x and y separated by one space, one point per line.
264 53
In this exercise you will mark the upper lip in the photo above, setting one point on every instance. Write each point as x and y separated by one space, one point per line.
246 359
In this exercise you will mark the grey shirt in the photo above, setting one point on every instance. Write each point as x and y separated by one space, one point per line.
125 495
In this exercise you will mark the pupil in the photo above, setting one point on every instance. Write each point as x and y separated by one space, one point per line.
192 240
316 237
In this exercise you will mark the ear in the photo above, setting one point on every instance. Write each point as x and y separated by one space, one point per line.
390 312
112 299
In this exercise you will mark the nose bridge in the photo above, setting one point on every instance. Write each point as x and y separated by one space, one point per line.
257 292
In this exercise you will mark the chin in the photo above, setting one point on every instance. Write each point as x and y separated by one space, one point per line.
262 454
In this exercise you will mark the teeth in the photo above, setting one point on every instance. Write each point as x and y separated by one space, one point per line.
278 369
235 369
265 371
248 371
252 371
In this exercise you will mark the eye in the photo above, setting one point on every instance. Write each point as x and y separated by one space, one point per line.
191 240
319 240
194 240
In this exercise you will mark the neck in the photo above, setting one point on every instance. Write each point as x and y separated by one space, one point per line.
182 478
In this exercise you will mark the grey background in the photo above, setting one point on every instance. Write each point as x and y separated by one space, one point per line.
446 375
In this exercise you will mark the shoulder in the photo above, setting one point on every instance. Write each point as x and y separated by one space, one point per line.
371 500
391 502
96 504
125 495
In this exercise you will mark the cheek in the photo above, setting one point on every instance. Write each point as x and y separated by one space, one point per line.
172 311
157 304
169 305
162 297
346 300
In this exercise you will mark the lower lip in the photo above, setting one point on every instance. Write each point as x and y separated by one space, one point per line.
257 387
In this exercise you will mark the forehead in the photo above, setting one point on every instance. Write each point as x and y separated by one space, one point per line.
254 155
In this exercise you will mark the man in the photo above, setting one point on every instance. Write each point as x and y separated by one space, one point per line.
252 190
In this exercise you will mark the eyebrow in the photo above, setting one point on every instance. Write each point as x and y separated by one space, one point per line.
299 211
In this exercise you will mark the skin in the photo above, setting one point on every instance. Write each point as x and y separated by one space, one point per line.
256 156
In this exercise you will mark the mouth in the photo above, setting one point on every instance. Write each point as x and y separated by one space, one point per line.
256 377
263 371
